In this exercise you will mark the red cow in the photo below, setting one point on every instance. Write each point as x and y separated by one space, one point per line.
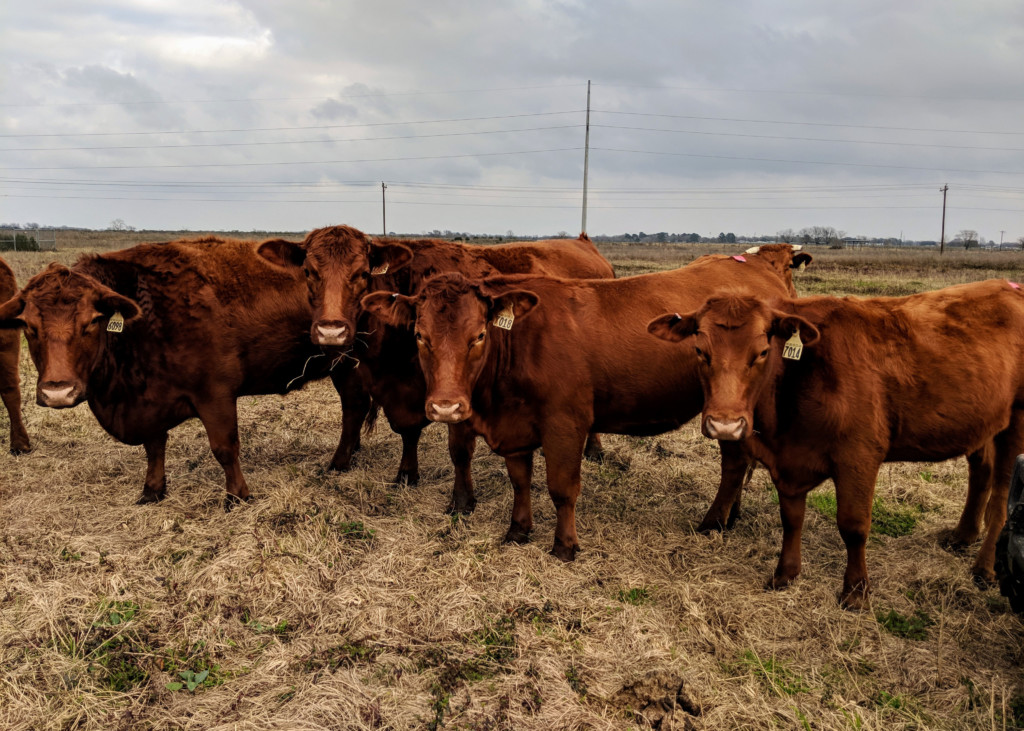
159 333
533 362
10 345
921 378
342 264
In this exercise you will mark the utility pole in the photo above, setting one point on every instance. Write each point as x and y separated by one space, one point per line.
383 207
942 241
586 163
1001 232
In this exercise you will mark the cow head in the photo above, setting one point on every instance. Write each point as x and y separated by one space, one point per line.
457 322
340 264
65 316
739 342
784 258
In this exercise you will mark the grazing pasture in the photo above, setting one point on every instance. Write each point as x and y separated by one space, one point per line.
338 601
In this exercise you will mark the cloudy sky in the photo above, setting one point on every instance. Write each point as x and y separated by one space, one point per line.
741 116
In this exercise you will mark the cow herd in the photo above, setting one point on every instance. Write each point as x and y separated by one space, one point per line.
537 345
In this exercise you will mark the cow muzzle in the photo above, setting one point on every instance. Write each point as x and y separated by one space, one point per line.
448 412
331 333
59 394
725 429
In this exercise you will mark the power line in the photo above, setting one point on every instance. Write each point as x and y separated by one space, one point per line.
292 129
293 99
806 92
808 124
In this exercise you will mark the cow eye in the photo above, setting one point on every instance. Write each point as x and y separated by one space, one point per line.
419 337
97 319
478 339
763 353
702 355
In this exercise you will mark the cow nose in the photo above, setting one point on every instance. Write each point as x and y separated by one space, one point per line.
57 395
726 430
449 412
332 335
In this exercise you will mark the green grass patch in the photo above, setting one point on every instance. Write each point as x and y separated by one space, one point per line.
113 613
575 680
772 673
886 518
636 596
900 625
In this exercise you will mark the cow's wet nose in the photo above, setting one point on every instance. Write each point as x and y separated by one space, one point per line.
449 412
57 394
727 430
332 333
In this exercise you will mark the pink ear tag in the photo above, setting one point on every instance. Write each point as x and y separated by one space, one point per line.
1014 285
739 258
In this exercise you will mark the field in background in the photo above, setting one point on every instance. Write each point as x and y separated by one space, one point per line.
337 601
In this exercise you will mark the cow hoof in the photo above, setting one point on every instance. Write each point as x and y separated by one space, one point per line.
710 525
233 501
594 454
984 578
148 496
855 601
461 507
340 466
777 582
565 553
406 479
954 542
20 450
517 535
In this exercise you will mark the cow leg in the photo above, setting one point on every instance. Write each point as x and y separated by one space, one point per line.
220 418
19 435
979 485
594 450
461 445
409 468
355 405
155 487
564 454
520 471
792 509
1009 444
10 392
736 471
855 492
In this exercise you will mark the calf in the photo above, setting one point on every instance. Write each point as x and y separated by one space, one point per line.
10 346
159 333
831 388
342 264
532 362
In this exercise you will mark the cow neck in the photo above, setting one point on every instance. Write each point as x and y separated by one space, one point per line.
118 375
384 346
497 375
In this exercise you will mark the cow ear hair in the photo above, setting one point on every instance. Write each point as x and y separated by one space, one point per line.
283 253
673 327
395 309
521 301
110 302
785 324
388 257
10 312
800 259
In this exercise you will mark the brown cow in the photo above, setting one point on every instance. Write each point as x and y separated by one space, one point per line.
921 378
160 333
343 264
10 346
533 362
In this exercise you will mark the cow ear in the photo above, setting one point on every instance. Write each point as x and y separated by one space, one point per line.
520 301
394 309
110 302
388 257
801 260
283 253
784 325
10 313
673 327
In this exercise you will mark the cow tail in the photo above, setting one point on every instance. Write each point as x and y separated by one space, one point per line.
371 417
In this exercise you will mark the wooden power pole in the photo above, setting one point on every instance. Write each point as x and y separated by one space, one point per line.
586 163
942 240
383 207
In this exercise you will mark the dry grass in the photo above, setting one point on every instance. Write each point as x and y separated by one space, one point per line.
335 601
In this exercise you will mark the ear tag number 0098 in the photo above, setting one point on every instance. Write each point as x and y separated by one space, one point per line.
794 347
504 319
116 323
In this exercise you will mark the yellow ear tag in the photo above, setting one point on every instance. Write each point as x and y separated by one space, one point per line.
504 319
803 265
382 269
794 347
116 323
